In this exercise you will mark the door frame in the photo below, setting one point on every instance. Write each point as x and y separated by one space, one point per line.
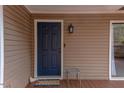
35 48
110 49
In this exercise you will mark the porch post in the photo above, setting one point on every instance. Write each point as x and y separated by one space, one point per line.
1 48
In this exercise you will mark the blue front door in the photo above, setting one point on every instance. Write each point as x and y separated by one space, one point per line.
49 49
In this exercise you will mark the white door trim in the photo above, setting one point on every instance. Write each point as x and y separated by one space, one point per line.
1 48
110 49
35 48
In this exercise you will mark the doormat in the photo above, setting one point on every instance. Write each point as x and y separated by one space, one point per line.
47 83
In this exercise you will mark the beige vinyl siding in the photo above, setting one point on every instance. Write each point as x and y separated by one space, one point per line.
88 47
18 46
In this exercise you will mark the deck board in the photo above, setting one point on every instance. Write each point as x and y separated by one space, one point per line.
85 84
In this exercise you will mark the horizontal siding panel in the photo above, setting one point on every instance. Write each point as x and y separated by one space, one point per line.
17 25
16 33
19 70
8 18
16 52
14 27
15 60
14 43
15 48
85 60
14 12
23 10
14 21
18 41
16 37
9 35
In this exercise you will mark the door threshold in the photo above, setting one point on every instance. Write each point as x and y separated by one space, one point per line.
117 78
48 77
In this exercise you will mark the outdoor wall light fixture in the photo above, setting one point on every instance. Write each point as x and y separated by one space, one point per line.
71 28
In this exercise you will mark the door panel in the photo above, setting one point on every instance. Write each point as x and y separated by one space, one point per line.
117 55
49 46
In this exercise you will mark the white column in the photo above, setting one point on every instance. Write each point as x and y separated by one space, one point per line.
1 48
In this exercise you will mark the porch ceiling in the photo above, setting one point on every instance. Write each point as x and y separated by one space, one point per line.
74 8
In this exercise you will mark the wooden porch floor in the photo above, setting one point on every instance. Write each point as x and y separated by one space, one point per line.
85 84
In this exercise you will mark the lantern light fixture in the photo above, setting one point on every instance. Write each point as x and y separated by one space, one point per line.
71 28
